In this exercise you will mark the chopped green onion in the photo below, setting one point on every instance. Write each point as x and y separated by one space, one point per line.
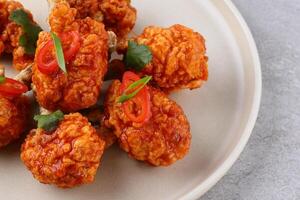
137 85
49 122
59 52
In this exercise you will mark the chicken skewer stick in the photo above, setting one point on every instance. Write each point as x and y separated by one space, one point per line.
24 76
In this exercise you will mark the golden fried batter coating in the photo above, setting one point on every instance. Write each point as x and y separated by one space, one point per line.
96 117
117 15
179 59
13 118
86 8
80 88
10 33
67 157
164 139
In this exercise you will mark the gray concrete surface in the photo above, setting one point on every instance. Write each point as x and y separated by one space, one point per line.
269 167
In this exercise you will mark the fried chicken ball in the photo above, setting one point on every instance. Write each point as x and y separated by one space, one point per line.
80 88
13 118
96 117
66 157
117 15
161 141
179 59
10 33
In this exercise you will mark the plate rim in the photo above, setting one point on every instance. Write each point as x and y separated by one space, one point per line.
223 168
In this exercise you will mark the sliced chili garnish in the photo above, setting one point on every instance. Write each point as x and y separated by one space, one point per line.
12 88
138 108
128 78
46 59
73 47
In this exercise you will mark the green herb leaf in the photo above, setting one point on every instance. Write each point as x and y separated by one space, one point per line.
59 52
30 29
49 122
137 56
137 85
2 79
23 40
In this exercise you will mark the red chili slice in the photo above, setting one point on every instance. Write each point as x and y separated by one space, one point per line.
46 59
12 88
137 109
74 47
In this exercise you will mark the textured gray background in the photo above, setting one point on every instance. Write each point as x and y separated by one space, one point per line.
269 167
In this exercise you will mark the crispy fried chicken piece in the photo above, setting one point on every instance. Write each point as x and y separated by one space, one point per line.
80 88
161 141
66 157
14 114
117 15
120 17
179 59
10 33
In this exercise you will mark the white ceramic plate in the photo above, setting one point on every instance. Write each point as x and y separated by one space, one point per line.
222 114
